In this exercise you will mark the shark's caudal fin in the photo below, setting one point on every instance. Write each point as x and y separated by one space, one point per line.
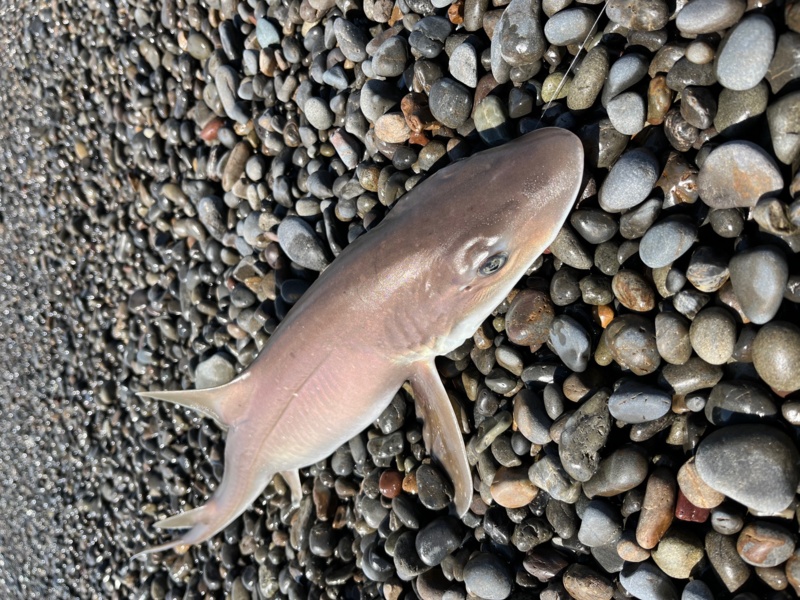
224 403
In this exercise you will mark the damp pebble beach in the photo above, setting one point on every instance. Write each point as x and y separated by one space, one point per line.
175 174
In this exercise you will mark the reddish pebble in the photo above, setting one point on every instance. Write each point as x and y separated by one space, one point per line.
209 132
391 483
686 511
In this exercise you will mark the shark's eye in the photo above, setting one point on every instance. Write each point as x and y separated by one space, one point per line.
493 264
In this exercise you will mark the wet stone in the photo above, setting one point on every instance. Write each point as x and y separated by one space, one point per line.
633 291
627 112
531 418
759 277
632 342
708 269
434 489
764 544
657 508
630 180
438 539
737 108
737 173
621 471
745 53
698 106
594 226
635 402
713 335
783 117
755 465
697 589
549 475
569 249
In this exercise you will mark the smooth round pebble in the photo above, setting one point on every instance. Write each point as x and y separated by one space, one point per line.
776 355
647 582
744 55
630 181
764 544
758 276
737 173
713 335
667 241
301 244
487 576
635 402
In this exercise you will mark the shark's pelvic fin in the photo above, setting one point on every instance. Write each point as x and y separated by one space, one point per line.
224 403
292 479
441 432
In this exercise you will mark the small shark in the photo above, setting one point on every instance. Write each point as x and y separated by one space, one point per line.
412 289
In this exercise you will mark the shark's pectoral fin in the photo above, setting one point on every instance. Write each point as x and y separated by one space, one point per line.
292 479
441 432
223 404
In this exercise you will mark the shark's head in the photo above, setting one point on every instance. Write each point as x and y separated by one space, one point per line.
471 231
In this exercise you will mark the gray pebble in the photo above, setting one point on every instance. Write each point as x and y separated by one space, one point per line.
213 372
736 108
531 418
434 490
518 39
211 211
301 244
721 552
226 80
487 576
266 33
595 226
569 26
438 539
391 58
667 240
630 180
634 223
697 589
738 402
549 475
672 337
627 112
568 248
601 524
450 102
745 53
755 465
709 16
783 117
351 39
695 374
463 64
570 341
627 71
588 82
640 15
647 582
623 470
759 276
634 402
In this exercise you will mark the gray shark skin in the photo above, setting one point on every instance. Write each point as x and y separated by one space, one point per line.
413 288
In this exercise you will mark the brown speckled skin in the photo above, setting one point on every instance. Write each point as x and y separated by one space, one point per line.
402 294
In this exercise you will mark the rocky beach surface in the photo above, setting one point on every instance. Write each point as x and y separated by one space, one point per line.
175 174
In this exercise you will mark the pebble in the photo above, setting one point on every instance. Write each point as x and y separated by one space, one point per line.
672 337
631 341
635 402
736 108
266 33
435 490
301 244
318 113
627 112
531 418
594 226
571 342
227 81
783 117
737 173
776 355
764 544
667 241
678 553
584 583
630 181
584 435
695 489
569 249
450 102
351 40
759 276
734 402
697 589
569 26
623 470
511 487
438 539
633 291
713 335
709 16
722 554
529 319
601 524
744 55
648 15
549 475
391 58
463 64
588 82
755 465
487 576
214 371
657 508
518 39
647 582
695 374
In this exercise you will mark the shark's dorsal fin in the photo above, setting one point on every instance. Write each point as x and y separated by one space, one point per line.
441 432
224 403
